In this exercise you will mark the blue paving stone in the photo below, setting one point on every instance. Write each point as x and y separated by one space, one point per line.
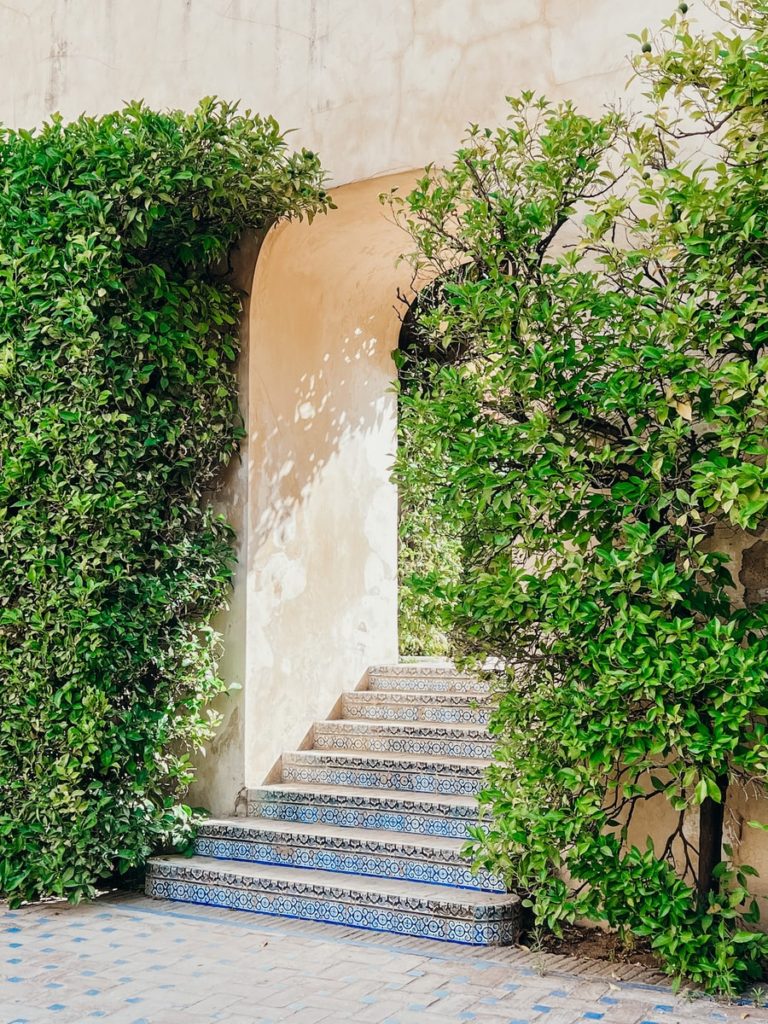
591 1015
467 1015
609 1000
57 1007
93 991
542 1008
369 1000
663 1008
15 980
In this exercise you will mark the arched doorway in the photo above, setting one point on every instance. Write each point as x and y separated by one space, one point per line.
315 600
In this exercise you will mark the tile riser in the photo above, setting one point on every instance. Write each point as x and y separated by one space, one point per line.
366 828
360 817
363 862
406 745
410 782
398 921
382 684
429 714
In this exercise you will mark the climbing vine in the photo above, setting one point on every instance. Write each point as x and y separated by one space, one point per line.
118 341
604 291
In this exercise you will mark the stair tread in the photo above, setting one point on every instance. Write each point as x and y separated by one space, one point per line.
352 884
368 836
400 795
403 759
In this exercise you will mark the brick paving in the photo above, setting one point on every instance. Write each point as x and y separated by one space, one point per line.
130 960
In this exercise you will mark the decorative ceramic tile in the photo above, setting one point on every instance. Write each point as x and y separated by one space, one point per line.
397 815
428 707
434 865
423 712
339 769
493 924
427 678
403 739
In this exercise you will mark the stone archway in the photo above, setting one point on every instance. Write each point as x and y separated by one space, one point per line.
315 599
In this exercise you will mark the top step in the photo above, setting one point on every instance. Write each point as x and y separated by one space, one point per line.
427 677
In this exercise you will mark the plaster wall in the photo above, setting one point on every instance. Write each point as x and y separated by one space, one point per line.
373 85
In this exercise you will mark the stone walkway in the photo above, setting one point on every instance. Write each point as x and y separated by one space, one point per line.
130 960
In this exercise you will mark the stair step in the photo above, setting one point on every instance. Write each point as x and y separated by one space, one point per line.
411 738
405 908
419 707
358 851
357 807
430 678
421 774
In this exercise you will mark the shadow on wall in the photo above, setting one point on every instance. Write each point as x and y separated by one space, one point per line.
315 600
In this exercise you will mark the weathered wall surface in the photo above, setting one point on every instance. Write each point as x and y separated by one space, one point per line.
373 85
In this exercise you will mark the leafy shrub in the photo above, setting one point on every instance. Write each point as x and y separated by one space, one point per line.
429 545
118 336
607 283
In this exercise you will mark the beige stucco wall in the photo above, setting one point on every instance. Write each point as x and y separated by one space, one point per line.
373 85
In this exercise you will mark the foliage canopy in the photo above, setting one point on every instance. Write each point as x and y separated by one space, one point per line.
118 337
602 420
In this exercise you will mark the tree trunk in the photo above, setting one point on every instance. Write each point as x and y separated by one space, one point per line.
711 815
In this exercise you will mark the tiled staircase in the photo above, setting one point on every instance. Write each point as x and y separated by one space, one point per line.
366 828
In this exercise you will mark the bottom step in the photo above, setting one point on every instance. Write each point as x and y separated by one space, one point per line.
404 908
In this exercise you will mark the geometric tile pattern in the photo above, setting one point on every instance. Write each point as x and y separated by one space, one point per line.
130 960
365 829
421 774
409 738
347 850
413 706
412 812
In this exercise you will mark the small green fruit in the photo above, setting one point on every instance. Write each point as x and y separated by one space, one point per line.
646 47
683 8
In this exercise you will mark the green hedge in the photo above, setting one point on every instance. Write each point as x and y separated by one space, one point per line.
118 337
603 415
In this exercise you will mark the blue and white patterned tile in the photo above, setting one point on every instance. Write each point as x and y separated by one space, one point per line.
493 925
360 812
429 864
380 772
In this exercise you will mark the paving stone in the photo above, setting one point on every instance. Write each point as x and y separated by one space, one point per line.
248 969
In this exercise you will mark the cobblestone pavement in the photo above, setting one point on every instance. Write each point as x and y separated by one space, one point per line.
130 960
